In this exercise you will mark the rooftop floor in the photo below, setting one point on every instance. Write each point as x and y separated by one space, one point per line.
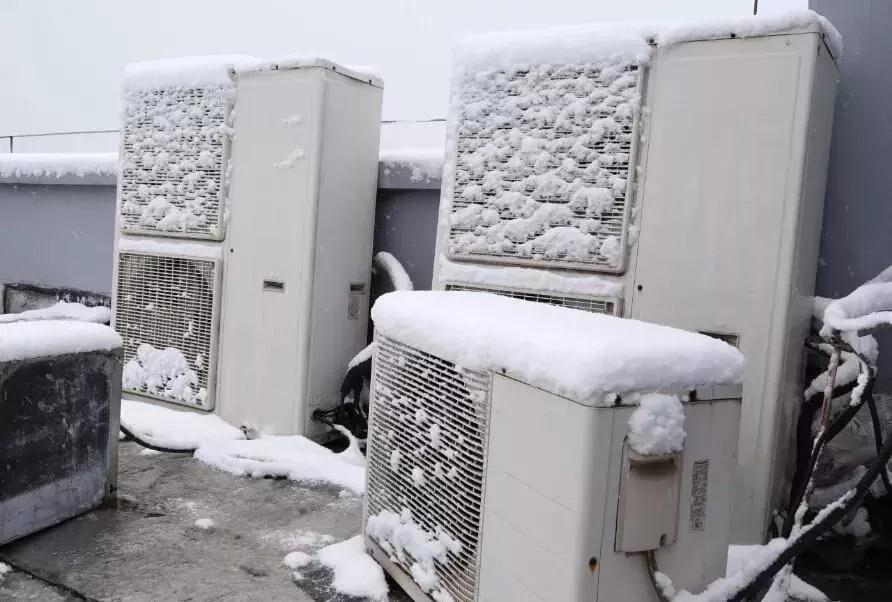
148 548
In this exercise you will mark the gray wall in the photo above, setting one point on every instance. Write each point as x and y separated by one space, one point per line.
57 235
61 234
857 237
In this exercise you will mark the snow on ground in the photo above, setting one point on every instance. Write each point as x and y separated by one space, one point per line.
656 427
4 569
32 339
205 524
223 446
172 428
21 165
62 311
395 270
355 572
294 457
579 355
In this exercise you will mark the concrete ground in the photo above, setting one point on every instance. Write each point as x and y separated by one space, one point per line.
149 549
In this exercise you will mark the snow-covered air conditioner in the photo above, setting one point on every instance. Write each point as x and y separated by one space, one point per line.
677 172
240 286
519 463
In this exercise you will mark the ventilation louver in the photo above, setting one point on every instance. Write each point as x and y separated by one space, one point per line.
173 162
166 313
592 304
413 392
543 160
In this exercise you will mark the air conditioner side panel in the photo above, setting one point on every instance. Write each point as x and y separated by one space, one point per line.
338 327
720 220
269 249
545 495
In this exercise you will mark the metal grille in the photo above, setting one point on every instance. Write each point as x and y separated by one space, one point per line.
407 380
173 161
170 302
543 160
592 304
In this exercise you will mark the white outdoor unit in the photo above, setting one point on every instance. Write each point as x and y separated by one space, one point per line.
676 175
502 462
245 216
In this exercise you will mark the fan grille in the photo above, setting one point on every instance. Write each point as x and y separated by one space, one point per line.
407 380
592 304
543 158
170 302
173 162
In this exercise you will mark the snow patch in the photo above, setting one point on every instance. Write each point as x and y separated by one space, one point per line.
294 457
57 165
174 429
62 311
425 164
44 338
205 524
656 427
149 246
297 560
355 572
580 355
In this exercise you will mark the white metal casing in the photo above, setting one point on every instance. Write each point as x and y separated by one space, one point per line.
300 181
728 199
548 487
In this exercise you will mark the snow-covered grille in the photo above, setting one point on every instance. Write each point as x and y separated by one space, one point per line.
543 157
173 161
413 392
170 302
592 304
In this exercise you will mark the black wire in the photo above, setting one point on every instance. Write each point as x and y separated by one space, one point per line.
73 593
170 450
820 527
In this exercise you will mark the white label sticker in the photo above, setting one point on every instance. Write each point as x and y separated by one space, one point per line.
699 483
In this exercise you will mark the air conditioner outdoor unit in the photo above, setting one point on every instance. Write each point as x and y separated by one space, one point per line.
240 284
513 462
670 175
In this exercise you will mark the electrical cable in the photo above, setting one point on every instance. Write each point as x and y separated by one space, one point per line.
129 436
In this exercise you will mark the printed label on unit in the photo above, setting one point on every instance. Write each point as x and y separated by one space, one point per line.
354 302
699 483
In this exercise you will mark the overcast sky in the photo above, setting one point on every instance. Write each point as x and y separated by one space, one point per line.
61 62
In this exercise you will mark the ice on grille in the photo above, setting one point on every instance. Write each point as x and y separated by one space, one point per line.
542 161
580 355
163 373
173 146
408 543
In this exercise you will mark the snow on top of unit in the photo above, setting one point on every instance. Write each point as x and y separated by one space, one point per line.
161 247
44 338
530 279
617 42
185 72
62 311
751 26
576 354
20 165
656 427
